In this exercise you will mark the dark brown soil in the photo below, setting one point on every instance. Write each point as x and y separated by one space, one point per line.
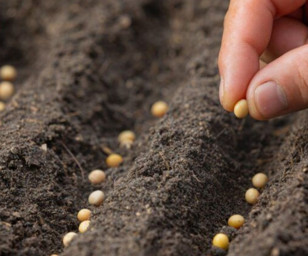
85 74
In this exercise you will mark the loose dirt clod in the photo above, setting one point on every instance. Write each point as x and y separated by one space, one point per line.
252 195
67 239
96 198
159 109
8 73
83 226
2 106
236 221
114 160
241 109
221 240
97 177
259 180
6 90
84 214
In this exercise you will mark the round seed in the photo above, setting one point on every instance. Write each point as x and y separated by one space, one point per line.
241 109
54 255
84 214
236 221
97 177
2 106
252 195
83 226
126 136
96 198
6 90
114 160
221 240
67 239
159 108
259 180
8 73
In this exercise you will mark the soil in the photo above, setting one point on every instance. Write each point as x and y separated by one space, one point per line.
88 70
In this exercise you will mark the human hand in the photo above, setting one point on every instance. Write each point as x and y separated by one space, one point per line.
274 29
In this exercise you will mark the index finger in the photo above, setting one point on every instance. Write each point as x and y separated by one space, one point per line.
247 31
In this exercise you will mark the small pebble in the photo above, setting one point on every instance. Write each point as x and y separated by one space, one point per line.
221 240
159 109
6 90
126 136
84 214
97 177
96 198
2 106
114 160
83 226
67 239
241 109
259 180
236 221
252 195
8 73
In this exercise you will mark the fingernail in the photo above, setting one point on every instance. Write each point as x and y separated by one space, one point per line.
221 89
270 99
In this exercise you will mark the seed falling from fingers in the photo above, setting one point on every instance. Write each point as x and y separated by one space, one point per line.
252 195
2 106
259 180
8 73
241 109
6 90
67 239
96 198
97 177
221 240
84 214
126 136
236 221
159 109
114 160
83 226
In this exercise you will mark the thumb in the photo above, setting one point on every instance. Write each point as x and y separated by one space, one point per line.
281 87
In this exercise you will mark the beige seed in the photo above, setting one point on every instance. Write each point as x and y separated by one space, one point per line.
221 240
126 136
8 73
159 108
259 180
2 106
54 255
241 109
84 214
114 160
96 198
6 90
252 195
67 239
83 226
236 221
97 177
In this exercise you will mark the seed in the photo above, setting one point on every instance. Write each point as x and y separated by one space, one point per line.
96 198
259 180
159 108
236 221
241 109
2 106
84 214
54 255
114 160
97 177
252 195
6 90
221 240
8 73
83 226
126 136
67 239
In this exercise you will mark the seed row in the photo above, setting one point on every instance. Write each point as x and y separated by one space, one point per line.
7 74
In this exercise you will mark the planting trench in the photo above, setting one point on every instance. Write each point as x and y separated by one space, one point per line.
90 69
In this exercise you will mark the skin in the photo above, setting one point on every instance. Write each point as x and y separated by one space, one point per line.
275 32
